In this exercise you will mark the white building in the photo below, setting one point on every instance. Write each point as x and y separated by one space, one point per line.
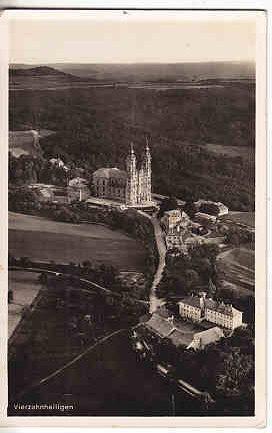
176 227
173 218
198 308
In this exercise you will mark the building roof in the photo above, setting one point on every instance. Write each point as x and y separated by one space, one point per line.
194 301
180 338
78 182
41 185
180 332
204 216
220 307
110 173
210 335
45 192
160 325
172 212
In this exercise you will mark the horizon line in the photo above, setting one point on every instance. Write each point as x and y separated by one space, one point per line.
136 63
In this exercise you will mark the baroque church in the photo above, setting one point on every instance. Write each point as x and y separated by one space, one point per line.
131 186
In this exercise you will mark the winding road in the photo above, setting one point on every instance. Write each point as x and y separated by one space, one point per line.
154 301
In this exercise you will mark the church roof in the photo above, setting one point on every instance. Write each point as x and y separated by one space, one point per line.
110 173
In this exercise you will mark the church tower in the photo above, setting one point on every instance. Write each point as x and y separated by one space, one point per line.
147 174
132 178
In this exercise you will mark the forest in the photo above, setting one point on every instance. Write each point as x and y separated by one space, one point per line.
93 128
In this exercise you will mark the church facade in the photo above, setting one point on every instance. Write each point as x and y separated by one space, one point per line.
131 186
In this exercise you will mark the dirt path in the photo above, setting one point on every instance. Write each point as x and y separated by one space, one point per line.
154 301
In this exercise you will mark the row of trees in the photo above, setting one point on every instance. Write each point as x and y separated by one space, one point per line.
189 273
27 169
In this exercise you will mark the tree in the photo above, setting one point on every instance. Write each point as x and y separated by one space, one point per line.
168 203
191 279
25 262
190 208
236 375
43 278
23 199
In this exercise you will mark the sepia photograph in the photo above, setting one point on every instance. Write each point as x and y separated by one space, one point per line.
131 214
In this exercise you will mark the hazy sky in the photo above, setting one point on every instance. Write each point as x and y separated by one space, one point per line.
132 37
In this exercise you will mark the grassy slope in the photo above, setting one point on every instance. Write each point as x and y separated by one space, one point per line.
238 267
46 240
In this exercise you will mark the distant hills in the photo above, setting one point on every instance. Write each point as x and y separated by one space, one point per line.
140 72
39 71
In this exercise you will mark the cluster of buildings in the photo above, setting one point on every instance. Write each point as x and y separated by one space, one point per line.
201 321
177 230
180 230
76 190
128 188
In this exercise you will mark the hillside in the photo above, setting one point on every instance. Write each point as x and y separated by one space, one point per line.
39 77
39 71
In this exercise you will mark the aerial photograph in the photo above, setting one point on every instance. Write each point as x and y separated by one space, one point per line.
131 216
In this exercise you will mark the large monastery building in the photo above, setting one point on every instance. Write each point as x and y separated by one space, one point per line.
131 186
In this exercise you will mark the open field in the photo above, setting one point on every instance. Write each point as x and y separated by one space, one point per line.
237 265
45 240
25 286
246 218
232 151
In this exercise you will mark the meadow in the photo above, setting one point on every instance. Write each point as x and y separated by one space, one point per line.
45 240
237 265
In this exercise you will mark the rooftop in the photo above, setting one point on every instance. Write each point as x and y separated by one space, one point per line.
194 301
172 212
181 332
110 173
78 181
